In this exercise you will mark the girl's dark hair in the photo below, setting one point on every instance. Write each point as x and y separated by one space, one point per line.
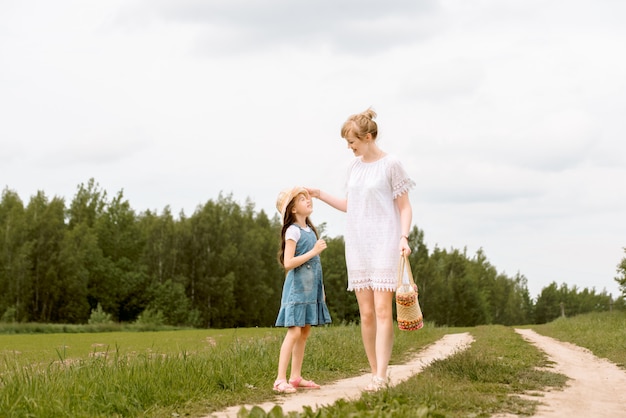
290 218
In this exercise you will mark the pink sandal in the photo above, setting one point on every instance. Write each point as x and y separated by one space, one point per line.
282 386
303 383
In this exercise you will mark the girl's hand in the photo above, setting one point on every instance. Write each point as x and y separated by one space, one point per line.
320 246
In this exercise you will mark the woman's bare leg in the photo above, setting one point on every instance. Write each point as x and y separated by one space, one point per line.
383 302
365 299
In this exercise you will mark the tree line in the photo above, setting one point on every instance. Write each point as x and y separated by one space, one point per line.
218 268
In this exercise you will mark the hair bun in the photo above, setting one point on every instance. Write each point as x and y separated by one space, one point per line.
369 113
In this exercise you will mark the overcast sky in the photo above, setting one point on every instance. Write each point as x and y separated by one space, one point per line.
508 114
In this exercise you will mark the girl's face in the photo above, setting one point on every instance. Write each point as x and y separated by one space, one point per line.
303 205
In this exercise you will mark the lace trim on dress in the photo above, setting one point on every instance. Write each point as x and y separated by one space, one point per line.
380 280
378 288
403 187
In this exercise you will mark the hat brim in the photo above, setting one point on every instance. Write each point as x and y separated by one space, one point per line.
287 196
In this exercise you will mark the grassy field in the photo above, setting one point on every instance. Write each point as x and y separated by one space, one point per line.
195 372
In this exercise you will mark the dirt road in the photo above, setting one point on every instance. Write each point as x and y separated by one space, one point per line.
351 388
596 389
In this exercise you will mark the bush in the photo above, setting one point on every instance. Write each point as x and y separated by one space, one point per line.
150 317
9 316
98 317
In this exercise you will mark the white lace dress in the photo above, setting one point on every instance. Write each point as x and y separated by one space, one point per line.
373 230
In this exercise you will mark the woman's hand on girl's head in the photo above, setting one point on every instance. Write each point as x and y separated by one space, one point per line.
313 192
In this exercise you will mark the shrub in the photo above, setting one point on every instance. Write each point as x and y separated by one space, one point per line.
98 316
9 316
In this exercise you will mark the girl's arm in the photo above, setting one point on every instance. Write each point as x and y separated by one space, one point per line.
292 262
406 217
335 202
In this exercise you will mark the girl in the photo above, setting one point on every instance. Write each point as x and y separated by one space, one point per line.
378 219
303 301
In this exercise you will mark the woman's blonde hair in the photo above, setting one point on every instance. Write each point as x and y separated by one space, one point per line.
360 125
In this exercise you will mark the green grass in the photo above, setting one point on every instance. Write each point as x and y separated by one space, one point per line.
195 372
478 382
157 374
31 349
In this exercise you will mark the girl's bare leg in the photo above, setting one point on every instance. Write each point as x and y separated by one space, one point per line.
297 353
286 350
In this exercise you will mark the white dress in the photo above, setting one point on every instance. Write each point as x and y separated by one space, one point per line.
373 227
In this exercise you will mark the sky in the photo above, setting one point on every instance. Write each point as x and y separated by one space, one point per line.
508 114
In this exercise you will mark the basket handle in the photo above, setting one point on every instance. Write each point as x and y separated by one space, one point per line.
404 264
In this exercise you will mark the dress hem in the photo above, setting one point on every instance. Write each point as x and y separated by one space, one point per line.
376 288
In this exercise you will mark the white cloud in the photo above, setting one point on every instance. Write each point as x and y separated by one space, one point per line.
348 26
508 114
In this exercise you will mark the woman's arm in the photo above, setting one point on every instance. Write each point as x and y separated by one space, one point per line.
406 217
335 202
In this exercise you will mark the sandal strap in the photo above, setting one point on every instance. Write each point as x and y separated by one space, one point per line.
282 385
308 384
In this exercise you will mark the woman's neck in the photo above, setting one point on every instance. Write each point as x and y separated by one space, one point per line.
373 154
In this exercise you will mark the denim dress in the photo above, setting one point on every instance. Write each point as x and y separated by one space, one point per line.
302 302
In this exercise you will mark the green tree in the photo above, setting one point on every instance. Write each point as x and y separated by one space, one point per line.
258 275
548 305
84 259
454 293
519 307
124 281
170 299
14 257
435 294
423 271
45 228
79 261
507 298
212 254
163 245
87 205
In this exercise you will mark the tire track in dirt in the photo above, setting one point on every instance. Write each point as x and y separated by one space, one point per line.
351 388
596 389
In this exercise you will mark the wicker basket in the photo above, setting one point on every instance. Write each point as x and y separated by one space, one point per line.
409 313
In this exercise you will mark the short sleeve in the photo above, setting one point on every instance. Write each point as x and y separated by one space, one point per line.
347 176
401 183
292 233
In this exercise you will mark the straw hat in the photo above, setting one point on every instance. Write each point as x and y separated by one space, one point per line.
285 196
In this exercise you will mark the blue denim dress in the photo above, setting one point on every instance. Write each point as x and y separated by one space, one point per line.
302 302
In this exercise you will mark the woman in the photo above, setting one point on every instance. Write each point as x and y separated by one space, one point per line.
379 217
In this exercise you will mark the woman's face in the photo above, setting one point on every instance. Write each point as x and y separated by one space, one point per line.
355 144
